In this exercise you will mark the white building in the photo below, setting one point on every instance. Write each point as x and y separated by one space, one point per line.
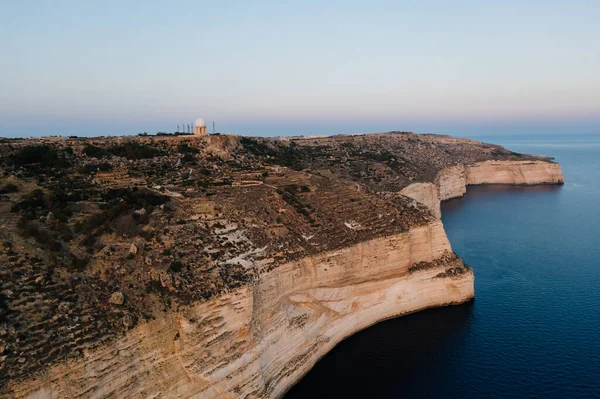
200 127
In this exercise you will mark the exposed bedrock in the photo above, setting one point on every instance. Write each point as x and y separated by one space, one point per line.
257 341
452 182
514 172
426 194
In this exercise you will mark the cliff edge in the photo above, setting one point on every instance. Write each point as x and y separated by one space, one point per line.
222 266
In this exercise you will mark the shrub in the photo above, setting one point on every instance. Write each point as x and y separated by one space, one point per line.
89 240
289 195
188 158
184 148
125 225
37 203
117 214
41 235
176 266
95 152
281 154
95 167
135 197
135 150
9 188
43 155
294 188
33 200
79 263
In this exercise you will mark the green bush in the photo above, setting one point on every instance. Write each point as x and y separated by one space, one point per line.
95 167
95 152
135 150
42 155
41 235
184 148
37 203
188 158
176 266
9 188
278 154
135 197
118 213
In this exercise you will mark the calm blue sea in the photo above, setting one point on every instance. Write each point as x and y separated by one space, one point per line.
533 330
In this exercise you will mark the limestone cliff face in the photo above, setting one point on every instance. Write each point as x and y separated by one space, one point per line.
260 339
452 182
514 172
426 194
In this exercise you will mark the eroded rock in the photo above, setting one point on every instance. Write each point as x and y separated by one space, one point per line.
117 298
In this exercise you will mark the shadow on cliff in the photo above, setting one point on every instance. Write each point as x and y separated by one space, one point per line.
395 358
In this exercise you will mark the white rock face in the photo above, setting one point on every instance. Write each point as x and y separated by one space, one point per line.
259 340
451 182
514 172
426 194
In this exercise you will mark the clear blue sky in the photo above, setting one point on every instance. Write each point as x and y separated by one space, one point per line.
282 67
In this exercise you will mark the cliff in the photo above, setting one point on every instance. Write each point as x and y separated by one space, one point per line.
514 172
259 340
223 266
452 182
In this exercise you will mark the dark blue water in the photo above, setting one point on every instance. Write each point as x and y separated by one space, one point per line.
533 330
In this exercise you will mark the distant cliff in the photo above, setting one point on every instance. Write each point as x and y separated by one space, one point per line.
222 266
452 182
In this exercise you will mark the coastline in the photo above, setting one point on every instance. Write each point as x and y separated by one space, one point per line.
284 362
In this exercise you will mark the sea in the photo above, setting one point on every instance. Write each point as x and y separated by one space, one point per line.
533 330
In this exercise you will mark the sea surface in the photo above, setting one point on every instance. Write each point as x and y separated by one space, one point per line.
533 330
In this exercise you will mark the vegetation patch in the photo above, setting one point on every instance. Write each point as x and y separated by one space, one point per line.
134 150
91 168
184 148
43 156
9 188
278 154
95 152
290 195
118 214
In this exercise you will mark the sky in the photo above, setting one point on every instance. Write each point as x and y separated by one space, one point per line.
299 67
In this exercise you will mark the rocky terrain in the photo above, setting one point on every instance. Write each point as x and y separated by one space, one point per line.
221 266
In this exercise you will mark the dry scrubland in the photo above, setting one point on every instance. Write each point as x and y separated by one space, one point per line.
225 265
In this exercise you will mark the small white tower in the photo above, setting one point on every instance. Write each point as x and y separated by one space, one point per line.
200 127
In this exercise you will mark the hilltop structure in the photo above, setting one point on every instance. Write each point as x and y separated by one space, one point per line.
200 127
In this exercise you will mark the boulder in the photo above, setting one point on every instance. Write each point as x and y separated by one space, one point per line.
127 321
63 307
117 298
